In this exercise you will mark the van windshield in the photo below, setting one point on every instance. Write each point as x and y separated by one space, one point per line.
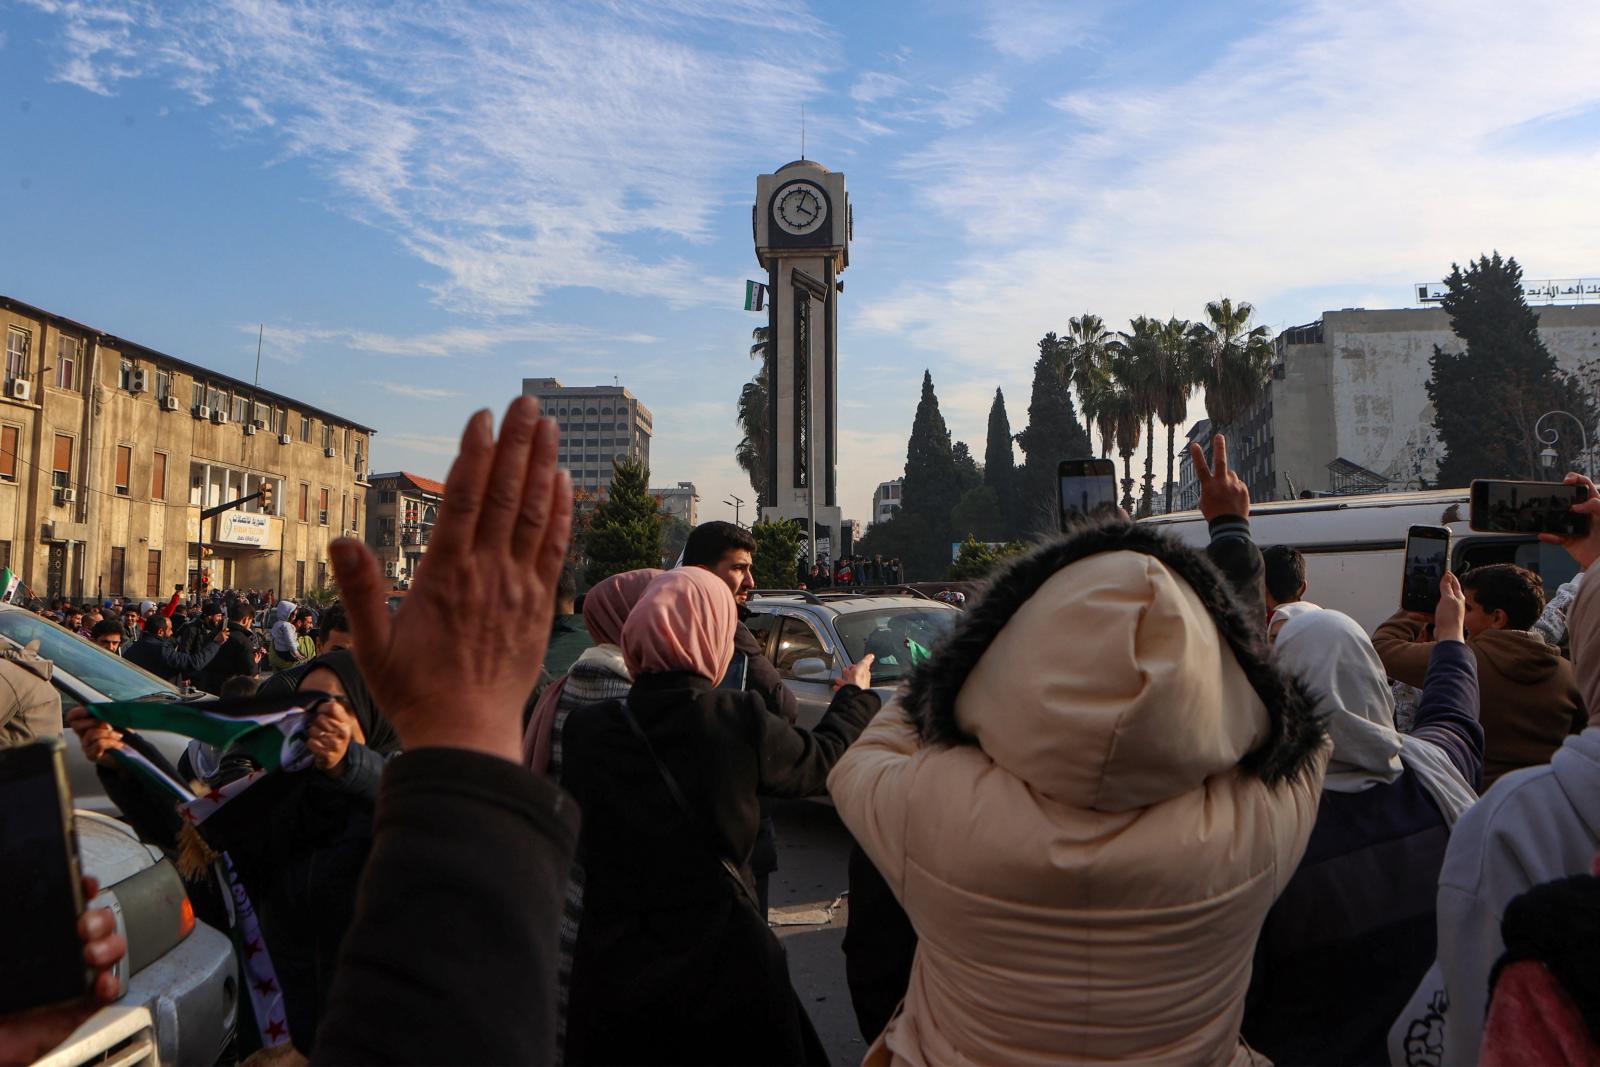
890 634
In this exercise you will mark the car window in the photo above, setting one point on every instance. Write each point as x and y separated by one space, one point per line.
1550 562
761 624
889 635
798 641
90 664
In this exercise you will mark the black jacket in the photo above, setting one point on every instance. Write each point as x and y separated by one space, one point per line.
162 658
235 657
761 676
672 964
452 955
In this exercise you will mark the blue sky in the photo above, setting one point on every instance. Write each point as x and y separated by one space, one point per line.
426 202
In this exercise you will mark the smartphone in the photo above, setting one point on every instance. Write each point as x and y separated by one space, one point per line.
1427 558
1528 507
1085 487
40 879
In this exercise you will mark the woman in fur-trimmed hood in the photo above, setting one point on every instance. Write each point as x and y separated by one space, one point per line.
1086 802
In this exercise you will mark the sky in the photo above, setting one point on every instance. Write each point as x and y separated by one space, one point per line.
423 203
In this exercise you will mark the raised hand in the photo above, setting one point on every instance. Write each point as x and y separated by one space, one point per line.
1449 618
1222 492
455 665
1585 548
858 674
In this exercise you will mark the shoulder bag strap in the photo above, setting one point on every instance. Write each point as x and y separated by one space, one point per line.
682 802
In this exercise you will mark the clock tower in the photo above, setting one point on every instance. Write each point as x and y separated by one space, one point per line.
802 224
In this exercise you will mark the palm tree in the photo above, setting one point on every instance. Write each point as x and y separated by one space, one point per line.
752 451
1121 407
1177 374
1141 362
1085 352
1237 360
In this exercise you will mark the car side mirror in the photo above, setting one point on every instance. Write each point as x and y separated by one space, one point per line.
812 669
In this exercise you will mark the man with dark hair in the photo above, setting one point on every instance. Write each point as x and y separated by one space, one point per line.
333 630
239 653
1529 699
202 627
726 550
157 653
72 618
107 633
1285 575
568 636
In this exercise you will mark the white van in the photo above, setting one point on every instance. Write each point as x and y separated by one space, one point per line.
1354 545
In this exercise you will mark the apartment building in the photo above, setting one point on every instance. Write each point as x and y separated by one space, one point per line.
598 423
401 510
110 450
682 502
886 500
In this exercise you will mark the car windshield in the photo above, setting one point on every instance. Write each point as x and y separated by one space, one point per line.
90 664
890 633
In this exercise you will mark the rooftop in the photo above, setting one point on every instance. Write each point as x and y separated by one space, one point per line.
426 485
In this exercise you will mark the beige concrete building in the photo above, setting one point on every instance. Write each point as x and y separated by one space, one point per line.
598 423
109 451
401 510
682 502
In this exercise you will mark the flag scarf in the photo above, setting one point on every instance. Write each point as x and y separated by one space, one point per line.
755 296
919 654
9 584
271 731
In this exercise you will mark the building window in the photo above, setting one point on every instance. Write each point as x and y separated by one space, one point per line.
360 447
263 415
125 374
118 563
124 463
163 385
158 476
152 575
305 500
216 399
355 515
322 510
5 555
241 409
67 349
327 435
299 577
9 437
386 496
17 342
344 511
305 428
322 574
199 393
61 471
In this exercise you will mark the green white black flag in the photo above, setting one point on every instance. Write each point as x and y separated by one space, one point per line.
9 584
755 296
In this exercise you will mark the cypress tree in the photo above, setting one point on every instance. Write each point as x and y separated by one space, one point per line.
1487 398
999 464
932 483
625 533
1053 434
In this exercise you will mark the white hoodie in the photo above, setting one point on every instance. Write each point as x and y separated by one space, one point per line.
1536 825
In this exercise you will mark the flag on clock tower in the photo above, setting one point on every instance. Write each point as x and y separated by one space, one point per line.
755 296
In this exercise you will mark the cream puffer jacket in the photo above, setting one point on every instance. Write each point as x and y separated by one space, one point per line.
1086 806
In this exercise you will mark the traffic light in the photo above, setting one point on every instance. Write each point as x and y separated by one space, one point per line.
265 501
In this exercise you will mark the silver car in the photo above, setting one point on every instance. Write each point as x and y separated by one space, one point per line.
811 637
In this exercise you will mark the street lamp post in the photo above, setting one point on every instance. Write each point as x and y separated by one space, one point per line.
1551 436
736 504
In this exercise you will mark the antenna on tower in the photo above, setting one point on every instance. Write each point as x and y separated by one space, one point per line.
802 131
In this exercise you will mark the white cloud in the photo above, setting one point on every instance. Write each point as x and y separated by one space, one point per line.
1032 30
516 149
289 341
416 392
425 444
876 85
969 100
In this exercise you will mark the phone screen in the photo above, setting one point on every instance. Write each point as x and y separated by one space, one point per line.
1427 558
1528 507
38 880
1088 487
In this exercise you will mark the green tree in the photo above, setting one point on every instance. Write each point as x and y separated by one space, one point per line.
1052 435
778 549
1084 357
754 447
978 514
968 474
674 535
1000 463
625 533
932 482
1176 376
1487 398
1136 366
1236 361
977 560
901 536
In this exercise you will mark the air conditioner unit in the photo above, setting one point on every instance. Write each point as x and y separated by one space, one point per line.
138 380
201 411
331 452
283 438
219 416
249 429
20 388
170 403
66 495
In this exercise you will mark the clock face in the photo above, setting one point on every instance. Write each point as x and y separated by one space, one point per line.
800 208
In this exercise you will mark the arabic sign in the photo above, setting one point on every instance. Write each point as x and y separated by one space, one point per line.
240 529
1549 291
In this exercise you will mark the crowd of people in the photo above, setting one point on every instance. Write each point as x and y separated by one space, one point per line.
853 572
1143 803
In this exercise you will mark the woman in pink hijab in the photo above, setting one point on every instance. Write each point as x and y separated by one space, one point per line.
599 674
674 962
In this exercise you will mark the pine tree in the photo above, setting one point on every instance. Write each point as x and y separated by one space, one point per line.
779 545
625 533
1053 434
932 482
1487 398
968 474
1000 464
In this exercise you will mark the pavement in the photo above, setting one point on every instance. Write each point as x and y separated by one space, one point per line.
809 915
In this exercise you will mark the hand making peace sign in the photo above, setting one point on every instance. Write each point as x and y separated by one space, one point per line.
1222 492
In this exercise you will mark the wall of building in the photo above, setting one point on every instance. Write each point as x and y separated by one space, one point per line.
597 423
54 543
